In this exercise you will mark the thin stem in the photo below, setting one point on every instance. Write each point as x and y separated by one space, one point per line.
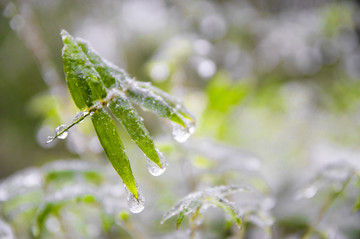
69 126
325 207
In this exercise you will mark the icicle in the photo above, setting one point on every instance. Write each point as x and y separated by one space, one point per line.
59 129
135 205
153 168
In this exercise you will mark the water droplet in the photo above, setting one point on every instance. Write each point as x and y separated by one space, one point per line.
49 139
59 129
79 115
180 133
153 168
135 205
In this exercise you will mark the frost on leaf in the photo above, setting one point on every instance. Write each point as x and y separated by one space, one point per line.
98 87
41 193
202 200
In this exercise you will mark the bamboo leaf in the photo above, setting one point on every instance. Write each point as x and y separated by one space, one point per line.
180 218
169 99
126 114
225 205
83 80
110 140
155 103
210 197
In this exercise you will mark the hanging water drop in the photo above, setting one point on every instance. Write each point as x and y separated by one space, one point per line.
153 168
180 133
59 129
135 205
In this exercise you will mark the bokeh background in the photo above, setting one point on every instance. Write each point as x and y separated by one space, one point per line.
274 81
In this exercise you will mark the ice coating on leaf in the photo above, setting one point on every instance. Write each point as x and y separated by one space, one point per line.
205 198
112 76
154 169
59 129
136 205
110 140
133 123
171 100
153 102
83 80
79 116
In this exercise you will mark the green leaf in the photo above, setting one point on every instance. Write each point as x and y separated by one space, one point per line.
170 100
155 103
83 80
180 218
110 140
42 215
225 205
107 78
210 196
126 114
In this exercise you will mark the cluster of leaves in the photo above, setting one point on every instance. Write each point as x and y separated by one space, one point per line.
34 197
98 88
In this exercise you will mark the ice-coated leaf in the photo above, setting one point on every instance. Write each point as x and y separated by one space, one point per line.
110 140
126 114
83 80
172 101
225 205
155 103
111 75
202 199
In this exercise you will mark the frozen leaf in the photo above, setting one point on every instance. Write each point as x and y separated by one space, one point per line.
112 76
171 100
80 73
126 114
225 205
110 140
153 102
203 199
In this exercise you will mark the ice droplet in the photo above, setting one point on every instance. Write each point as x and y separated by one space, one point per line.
59 129
79 115
180 133
153 168
135 205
